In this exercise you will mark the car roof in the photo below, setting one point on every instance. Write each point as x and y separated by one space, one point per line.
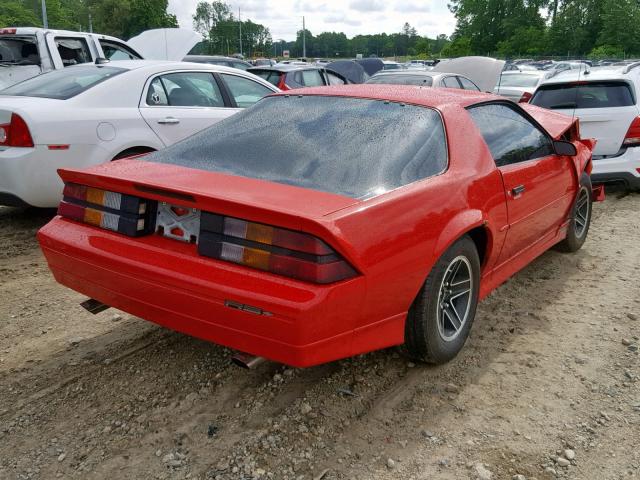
426 73
437 98
213 57
533 73
160 64
595 74
33 30
287 67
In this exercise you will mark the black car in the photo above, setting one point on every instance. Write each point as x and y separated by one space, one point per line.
287 76
218 60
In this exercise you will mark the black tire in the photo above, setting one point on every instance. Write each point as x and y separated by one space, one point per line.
580 221
425 335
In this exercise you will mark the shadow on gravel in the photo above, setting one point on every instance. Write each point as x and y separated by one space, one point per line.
18 228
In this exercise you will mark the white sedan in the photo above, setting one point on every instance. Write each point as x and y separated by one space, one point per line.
91 114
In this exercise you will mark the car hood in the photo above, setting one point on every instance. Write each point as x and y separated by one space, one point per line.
165 43
483 71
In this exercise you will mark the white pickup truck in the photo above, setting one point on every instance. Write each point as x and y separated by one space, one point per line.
28 52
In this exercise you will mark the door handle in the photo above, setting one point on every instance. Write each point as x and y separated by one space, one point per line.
516 191
169 121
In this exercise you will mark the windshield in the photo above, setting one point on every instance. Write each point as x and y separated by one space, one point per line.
63 84
583 95
402 79
18 51
353 147
519 80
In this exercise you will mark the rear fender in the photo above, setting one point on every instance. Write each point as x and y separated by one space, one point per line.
459 225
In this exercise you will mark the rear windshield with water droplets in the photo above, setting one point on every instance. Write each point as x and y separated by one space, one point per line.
348 146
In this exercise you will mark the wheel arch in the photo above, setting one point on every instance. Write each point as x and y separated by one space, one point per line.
131 151
472 223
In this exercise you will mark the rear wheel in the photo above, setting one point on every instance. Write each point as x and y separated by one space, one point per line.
580 221
130 152
441 316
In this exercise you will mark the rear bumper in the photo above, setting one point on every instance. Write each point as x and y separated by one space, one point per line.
620 169
165 282
29 176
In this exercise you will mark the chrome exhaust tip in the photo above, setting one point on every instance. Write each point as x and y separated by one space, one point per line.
247 361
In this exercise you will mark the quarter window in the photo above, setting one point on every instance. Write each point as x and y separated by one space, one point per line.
116 51
244 91
510 136
468 84
450 82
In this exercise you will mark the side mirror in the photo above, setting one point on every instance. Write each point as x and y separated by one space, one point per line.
563 148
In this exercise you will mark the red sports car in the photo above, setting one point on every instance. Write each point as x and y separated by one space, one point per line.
330 222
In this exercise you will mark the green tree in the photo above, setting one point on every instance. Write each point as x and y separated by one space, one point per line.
459 47
17 14
620 26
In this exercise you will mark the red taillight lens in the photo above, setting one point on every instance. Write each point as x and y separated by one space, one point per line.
277 250
281 84
125 214
16 133
632 138
526 96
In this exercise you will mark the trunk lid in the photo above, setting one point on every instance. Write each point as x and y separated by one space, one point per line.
246 198
483 71
165 43
607 127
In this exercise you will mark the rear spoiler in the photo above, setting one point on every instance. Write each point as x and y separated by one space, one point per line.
557 124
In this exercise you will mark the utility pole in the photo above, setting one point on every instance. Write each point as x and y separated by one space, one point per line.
304 43
90 23
45 22
240 26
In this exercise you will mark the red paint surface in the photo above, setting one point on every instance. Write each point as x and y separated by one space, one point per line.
392 240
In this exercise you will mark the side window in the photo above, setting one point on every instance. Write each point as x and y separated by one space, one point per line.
244 91
156 96
117 51
186 89
312 78
450 82
334 79
297 79
73 51
510 136
468 84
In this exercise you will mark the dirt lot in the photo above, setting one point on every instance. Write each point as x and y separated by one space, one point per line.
552 365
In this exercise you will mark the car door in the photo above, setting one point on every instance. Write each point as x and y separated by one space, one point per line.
539 185
244 91
178 104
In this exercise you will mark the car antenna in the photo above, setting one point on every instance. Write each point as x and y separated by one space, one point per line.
575 101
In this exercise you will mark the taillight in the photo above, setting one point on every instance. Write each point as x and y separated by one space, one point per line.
526 96
16 133
276 250
8 31
632 138
125 214
281 84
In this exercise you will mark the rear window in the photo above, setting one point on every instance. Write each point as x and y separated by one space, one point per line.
268 75
18 51
63 84
354 147
517 80
423 80
584 95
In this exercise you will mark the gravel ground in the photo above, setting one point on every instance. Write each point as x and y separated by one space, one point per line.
547 386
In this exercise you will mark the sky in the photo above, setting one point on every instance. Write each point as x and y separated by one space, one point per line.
353 17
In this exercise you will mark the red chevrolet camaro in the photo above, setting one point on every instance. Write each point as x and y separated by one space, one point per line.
330 222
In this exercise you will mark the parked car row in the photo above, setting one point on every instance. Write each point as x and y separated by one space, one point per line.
91 114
